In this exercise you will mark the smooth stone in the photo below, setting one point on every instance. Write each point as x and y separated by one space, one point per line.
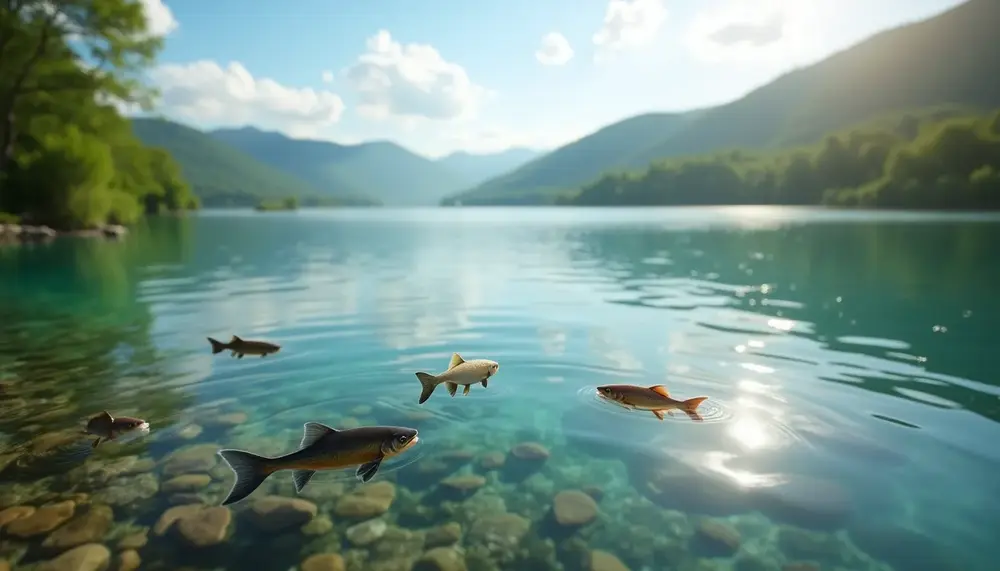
366 501
129 560
324 562
276 513
366 532
4 565
89 557
320 525
444 535
42 520
16 512
172 515
440 559
205 527
134 540
198 458
717 537
573 508
186 483
530 451
88 527
190 432
493 460
604 561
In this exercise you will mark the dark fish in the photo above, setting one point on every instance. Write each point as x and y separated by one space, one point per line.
240 347
106 427
655 399
322 448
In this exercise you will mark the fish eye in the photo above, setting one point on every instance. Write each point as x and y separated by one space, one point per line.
403 437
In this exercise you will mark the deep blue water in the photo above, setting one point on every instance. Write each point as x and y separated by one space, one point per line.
848 360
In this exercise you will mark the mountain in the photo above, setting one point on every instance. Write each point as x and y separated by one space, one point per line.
219 174
950 58
579 162
383 170
476 168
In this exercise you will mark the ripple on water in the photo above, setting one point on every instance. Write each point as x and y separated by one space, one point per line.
710 411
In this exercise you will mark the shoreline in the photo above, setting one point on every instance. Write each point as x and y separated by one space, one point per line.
22 233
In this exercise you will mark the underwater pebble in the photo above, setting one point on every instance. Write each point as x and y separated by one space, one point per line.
440 559
492 460
4 565
190 432
530 451
89 557
275 513
367 501
717 537
88 527
42 520
366 532
17 512
134 540
320 525
324 562
573 508
205 527
443 535
604 561
197 458
186 483
129 560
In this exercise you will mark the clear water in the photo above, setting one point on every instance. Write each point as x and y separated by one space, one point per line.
849 360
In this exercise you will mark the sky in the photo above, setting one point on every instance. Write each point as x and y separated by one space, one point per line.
439 76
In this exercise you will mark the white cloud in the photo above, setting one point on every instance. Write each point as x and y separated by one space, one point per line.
555 49
393 80
204 92
327 76
630 24
783 32
159 19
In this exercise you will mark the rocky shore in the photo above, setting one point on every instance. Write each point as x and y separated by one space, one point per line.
13 233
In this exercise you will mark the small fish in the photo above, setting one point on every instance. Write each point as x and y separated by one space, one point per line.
655 399
106 427
239 347
322 448
460 372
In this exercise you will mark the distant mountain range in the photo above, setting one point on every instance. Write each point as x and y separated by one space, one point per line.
949 59
239 167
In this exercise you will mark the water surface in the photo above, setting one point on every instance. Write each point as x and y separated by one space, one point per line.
849 361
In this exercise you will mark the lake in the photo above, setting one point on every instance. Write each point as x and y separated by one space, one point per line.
849 360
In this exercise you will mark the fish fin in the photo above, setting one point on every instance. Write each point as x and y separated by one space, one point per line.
466 391
452 388
660 389
96 442
236 339
217 346
691 405
485 382
313 431
428 383
456 360
658 414
250 471
239 355
107 415
691 408
301 478
367 470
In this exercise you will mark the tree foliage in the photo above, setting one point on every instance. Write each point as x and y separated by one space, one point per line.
67 156
950 163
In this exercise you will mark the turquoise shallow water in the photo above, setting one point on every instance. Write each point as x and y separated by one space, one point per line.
849 361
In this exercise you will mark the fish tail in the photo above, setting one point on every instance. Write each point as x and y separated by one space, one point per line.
217 346
691 405
250 470
429 383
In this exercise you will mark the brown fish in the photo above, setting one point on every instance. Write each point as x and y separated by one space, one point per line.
240 347
655 399
106 427
322 448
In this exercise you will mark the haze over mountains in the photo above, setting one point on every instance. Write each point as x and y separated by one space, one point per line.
948 59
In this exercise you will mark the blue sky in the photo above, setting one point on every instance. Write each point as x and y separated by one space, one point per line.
438 76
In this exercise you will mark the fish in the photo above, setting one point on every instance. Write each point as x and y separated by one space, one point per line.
322 448
240 347
123 428
460 372
655 399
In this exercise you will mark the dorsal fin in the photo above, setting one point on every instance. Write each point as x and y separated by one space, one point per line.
235 339
456 360
659 389
313 431
107 415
